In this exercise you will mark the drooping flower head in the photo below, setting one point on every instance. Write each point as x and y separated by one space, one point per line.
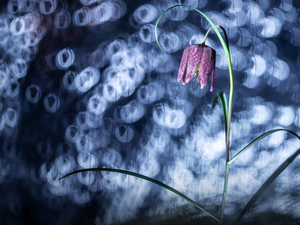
198 60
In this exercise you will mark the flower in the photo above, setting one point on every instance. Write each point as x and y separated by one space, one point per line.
199 59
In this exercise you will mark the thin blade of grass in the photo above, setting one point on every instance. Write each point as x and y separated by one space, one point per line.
148 179
257 140
225 113
225 190
265 185
225 104
215 103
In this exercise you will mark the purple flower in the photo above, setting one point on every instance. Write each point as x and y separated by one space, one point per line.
198 59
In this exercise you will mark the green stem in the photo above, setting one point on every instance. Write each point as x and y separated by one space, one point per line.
229 107
225 35
231 89
226 49
228 136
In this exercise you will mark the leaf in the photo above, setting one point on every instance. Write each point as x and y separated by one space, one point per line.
257 140
215 103
148 179
280 169
265 185
223 99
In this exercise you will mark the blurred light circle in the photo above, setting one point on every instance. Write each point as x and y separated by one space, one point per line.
87 79
146 94
72 133
132 112
103 12
82 17
62 20
124 133
17 26
68 80
33 94
261 114
147 33
98 58
259 66
65 58
87 160
120 9
145 14
81 121
286 115
19 68
177 14
271 27
84 144
112 90
279 69
97 104
12 88
170 42
47 6
51 103
14 6
11 117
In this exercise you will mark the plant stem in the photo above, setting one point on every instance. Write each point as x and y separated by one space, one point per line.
229 107
226 49
228 116
228 135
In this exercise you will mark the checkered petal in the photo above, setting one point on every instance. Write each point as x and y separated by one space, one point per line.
183 63
207 66
192 64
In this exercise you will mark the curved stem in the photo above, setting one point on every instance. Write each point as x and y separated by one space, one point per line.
229 108
225 35
226 49
231 89
226 127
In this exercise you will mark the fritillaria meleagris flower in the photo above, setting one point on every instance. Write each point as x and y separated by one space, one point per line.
198 59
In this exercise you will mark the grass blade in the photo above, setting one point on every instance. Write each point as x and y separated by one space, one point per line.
148 179
265 185
225 113
215 103
225 190
257 140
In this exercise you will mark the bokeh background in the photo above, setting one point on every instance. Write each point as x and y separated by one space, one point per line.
83 85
